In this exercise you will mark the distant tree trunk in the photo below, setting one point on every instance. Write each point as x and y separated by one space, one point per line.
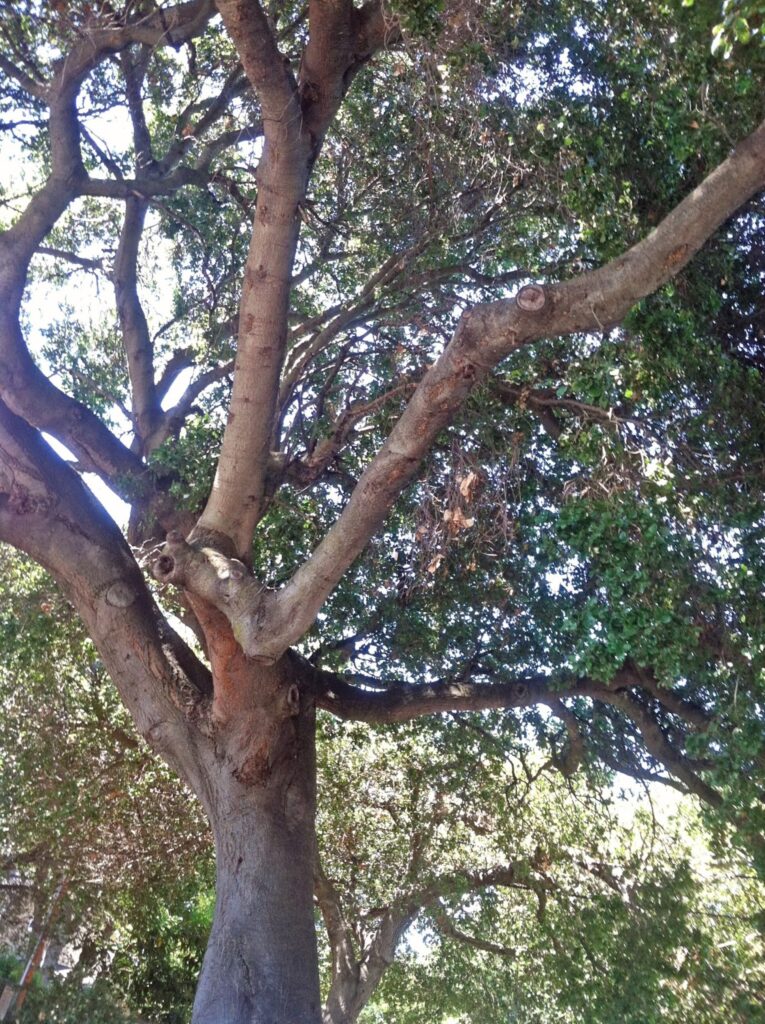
347 998
261 964
355 980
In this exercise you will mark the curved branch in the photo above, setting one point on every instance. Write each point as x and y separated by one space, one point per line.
173 419
46 511
689 712
25 389
659 747
485 335
30 394
400 702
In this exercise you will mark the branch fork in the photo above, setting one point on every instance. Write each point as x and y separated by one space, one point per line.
223 582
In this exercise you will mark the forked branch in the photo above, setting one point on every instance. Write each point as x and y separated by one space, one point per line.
485 335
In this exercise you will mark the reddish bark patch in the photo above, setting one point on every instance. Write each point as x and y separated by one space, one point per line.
677 256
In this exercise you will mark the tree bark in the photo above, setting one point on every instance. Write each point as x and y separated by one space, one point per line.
261 961
354 985
261 965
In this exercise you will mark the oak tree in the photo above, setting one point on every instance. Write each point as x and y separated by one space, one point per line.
432 377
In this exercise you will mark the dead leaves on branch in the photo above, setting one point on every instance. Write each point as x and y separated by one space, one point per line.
456 520
467 517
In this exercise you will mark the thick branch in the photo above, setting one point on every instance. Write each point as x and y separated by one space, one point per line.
236 499
341 40
296 116
46 511
488 333
30 394
268 72
689 712
400 702
349 993
168 26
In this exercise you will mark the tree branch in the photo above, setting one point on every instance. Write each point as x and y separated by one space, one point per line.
338 930
485 335
37 89
307 470
268 72
296 116
70 257
400 702
30 394
450 931
135 330
173 419
46 511
659 747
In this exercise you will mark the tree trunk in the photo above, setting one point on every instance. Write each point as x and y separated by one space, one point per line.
354 982
261 964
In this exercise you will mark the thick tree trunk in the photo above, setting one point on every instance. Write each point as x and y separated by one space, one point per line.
261 963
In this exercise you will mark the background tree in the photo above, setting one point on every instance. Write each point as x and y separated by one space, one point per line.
77 783
579 554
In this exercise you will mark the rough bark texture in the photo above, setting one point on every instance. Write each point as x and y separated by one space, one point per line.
260 796
261 965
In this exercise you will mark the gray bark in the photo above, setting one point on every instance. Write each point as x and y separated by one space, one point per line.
261 965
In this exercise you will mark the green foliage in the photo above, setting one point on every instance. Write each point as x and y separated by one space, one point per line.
68 1003
79 799
598 503
159 945
616 912
741 23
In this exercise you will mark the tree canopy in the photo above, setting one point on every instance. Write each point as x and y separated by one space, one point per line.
423 344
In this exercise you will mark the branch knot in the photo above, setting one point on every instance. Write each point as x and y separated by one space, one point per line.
531 298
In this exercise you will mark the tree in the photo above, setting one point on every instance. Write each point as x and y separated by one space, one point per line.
526 887
345 447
